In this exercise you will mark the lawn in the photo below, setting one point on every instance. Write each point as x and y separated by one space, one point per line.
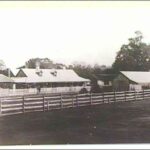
126 122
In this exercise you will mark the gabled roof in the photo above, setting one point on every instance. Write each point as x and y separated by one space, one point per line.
7 72
105 77
137 76
49 75
14 71
5 79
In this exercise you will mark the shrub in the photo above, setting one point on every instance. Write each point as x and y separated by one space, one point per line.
95 88
83 90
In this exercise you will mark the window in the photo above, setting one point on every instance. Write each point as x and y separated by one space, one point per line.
39 73
106 82
54 73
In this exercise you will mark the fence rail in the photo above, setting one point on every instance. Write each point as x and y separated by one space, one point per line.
45 102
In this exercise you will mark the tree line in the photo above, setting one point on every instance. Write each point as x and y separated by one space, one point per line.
133 56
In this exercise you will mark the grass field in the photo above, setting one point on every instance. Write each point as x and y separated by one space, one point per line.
127 122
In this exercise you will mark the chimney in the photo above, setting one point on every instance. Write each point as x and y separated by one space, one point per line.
8 72
26 65
38 70
37 65
63 67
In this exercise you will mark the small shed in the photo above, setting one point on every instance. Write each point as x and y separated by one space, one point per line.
132 80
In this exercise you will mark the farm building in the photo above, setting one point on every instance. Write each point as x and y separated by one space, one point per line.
48 78
5 82
132 80
105 81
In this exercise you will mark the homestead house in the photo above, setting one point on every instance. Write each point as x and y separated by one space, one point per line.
58 80
131 80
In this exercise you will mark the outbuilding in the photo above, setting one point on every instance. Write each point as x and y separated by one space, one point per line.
105 81
132 80
5 82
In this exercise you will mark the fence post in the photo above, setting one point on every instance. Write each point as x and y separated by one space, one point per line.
125 96
103 97
61 103
48 105
43 103
91 98
23 105
143 95
0 106
77 100
72 100
114 96
134 95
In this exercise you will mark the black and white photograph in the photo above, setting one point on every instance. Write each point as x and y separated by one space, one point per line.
74 73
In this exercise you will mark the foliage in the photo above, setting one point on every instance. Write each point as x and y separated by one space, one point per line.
134 56
44 63
85 71
95 88
2 65
83 90
89 72
6 72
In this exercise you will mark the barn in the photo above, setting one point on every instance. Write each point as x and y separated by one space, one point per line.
49 78
131 80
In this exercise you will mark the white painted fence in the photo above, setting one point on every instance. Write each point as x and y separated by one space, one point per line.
9 92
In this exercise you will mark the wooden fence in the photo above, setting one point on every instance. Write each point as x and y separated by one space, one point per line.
46 102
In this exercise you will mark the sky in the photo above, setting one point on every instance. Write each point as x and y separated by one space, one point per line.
68 32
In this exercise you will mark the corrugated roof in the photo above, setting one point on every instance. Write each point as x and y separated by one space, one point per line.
105 77
49 75
137 76
19 79
5 79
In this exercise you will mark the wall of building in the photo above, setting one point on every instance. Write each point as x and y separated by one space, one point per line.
100 83
46 85
6 85
121 83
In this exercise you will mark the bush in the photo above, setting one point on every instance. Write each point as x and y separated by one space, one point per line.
95 88
83 90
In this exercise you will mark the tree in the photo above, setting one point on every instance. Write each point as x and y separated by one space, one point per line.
44 63
89 72
85 71
7 72
134 56
2 65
